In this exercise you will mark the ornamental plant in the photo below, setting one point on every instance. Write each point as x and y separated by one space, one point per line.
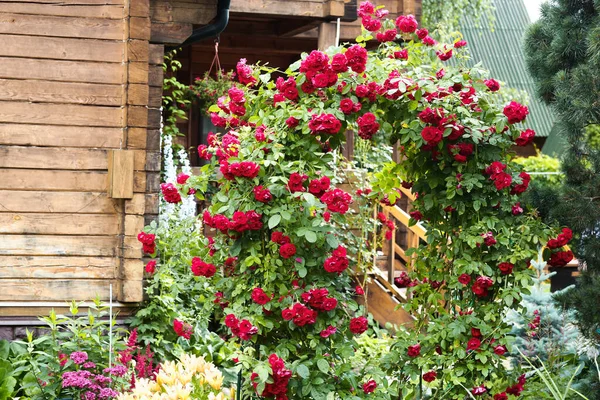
191 377
283 275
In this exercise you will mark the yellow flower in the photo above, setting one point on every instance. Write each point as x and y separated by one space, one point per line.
214 378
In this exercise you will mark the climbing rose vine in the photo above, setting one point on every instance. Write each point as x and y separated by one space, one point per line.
285 292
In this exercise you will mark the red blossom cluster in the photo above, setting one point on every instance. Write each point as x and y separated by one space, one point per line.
506 268
319 73
515 389
182 329
488 238
296 182
481 285
242 329
240 221
525 137
338 262
260 297
237 101
281 377
534 325
404 281
324 124
150 268
358 325
369 386
367 126
287 88
201 268
348 106
244 169
287 249
148 242
460 151
430 376
337 200
170 193
368 91
262 194
244 73
492 84
496 172
319 186
330 330
317 299
388 223
515 112
299 314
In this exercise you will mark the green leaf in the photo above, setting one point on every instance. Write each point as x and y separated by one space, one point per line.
310 236
323 365
274 221
303 371
332 241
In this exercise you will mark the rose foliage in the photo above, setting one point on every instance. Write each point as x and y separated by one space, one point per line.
285 293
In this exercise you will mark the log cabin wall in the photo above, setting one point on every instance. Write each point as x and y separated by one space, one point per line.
74 92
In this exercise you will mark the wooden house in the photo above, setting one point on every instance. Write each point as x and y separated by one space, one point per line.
80 97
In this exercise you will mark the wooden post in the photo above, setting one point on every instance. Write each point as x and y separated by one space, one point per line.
326 35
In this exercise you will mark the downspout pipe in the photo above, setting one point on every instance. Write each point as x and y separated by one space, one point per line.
215 28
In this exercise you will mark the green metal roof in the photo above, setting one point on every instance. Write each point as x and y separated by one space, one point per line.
501 52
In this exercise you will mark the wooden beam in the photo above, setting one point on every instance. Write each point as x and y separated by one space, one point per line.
298 8
120 174
290 28
170 32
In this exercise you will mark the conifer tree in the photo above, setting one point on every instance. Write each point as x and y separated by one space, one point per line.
563 56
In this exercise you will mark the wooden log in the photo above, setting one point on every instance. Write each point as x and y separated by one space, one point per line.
132 269
120 174
63 92
155 97
139 8
302 8
132 248
138 72
151 204
68 27
137 205
60 136
55 114
55 245
53 158
156 54
155 76
137 138
153 161
170 32
65 71
137 51
70 8
131 291
27 179
20 267
199 13
139 28
326 38
58 202
137 94
134 224
152 182
153 142
55 289
60 224
137 116
62 48
154 118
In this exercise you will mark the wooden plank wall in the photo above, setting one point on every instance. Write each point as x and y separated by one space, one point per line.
74 84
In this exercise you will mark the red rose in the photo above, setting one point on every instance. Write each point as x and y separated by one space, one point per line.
200 268
287 250
337 200
357 58
429 41
500 350
525 137
339 63
525 179
151 267
296 182
465 279
359 290
502 180
182 178
488 239
432 135
422 33
492 85
170 193
182 329
414 350
515 112
359 325
324 124
560 258
367 126
473 344
403 280
292 122
244 73
429 376
501 396
506 268
330 330
148 242
460 43
369 387
561 240
517 209
262 194
287 314
444 55
347 106
401 55
260 297
407 23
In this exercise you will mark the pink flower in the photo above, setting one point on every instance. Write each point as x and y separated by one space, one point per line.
182 329
78 357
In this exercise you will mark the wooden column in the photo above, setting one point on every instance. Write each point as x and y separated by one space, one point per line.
327 32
